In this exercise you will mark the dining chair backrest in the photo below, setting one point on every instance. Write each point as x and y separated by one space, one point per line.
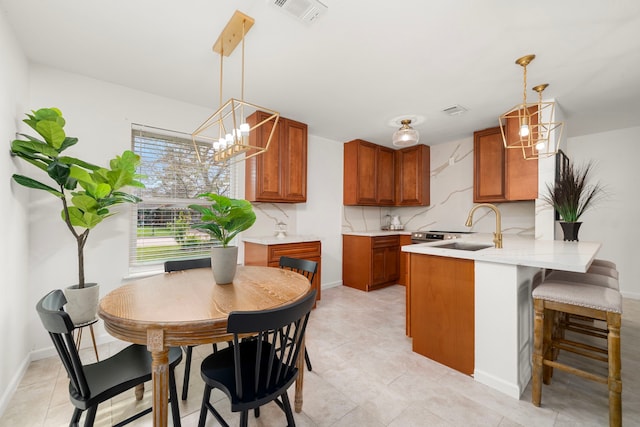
59 325
187 264
267 361
305 267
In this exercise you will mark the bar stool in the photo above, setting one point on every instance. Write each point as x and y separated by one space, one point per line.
592 301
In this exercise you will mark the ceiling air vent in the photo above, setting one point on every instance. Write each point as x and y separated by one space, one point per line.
305 10
454 110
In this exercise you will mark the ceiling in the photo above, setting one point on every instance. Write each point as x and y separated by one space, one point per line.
363 63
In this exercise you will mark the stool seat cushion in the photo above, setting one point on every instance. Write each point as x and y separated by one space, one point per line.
584 279
591 296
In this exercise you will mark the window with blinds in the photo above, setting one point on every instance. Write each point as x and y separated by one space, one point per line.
176 170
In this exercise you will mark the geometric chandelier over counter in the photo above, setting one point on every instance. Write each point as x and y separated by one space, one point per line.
529 126
227 129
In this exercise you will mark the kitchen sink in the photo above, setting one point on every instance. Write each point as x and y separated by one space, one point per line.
461 246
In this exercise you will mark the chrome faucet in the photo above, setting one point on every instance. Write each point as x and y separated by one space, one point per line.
497 236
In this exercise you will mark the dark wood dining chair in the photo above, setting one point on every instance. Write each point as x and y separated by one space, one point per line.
90 385
255 371
180 265
308 269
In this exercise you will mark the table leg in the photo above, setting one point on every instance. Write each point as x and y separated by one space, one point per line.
300 381
159 376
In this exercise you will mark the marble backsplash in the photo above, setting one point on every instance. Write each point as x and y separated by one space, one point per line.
451 199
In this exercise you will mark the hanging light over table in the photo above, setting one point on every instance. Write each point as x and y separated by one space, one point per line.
226 129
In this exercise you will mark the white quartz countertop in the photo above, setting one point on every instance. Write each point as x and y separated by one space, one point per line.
273 240
553 254
377 233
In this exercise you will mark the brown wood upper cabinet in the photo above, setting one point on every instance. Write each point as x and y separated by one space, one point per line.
501 174
380 176
280 174
413 180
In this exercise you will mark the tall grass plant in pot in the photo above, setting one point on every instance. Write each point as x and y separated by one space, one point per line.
86 192
223 220
572 195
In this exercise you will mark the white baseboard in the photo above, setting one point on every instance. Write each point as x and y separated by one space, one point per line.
8 393
331 284
510 389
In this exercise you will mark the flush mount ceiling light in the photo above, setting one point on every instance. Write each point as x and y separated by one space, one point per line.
529 126
406 136
227 129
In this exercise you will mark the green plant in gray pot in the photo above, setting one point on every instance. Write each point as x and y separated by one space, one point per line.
572 195
86 191
223 220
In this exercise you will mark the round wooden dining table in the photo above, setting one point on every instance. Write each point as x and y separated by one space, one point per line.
188 308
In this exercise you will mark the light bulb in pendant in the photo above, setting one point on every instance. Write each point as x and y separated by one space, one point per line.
524 130
244 129
540 146
216 145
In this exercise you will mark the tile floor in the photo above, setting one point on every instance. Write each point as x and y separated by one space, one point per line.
364 374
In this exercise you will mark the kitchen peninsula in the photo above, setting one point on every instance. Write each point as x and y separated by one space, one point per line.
498 292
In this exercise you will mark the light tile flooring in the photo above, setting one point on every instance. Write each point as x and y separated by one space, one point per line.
364 374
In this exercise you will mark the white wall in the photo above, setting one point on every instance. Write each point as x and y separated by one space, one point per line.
14 304
320 216
614 221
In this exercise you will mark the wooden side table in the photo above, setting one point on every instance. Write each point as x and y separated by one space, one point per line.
78 336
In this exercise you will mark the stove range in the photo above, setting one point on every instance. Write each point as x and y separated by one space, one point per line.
436 235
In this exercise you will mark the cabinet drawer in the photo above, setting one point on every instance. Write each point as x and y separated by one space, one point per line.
385 241
303 250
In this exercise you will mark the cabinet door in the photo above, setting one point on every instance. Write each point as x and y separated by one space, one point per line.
293 160
262 172
385 177
489 166
360 163
442 310
413 166
521 176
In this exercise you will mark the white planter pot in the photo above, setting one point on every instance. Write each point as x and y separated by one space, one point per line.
82 304
223 263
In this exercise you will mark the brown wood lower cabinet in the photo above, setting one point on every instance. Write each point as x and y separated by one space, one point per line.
370 262
442 310
269 255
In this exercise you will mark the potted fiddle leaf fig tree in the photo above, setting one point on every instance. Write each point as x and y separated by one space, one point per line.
571 195
86 192
223 220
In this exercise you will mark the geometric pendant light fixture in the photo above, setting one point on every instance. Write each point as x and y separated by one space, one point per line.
227 129
528 126
546 135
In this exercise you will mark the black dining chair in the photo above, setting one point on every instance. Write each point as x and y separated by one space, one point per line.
308 269
257 370
92 384
180 265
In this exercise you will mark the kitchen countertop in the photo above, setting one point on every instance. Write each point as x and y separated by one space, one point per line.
516 250
273 240
377 233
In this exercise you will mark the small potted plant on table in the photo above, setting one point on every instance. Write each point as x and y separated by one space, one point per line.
223 220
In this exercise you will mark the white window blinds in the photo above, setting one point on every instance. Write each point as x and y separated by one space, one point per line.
175 174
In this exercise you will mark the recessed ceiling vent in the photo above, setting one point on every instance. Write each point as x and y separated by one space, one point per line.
454 110
305 10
